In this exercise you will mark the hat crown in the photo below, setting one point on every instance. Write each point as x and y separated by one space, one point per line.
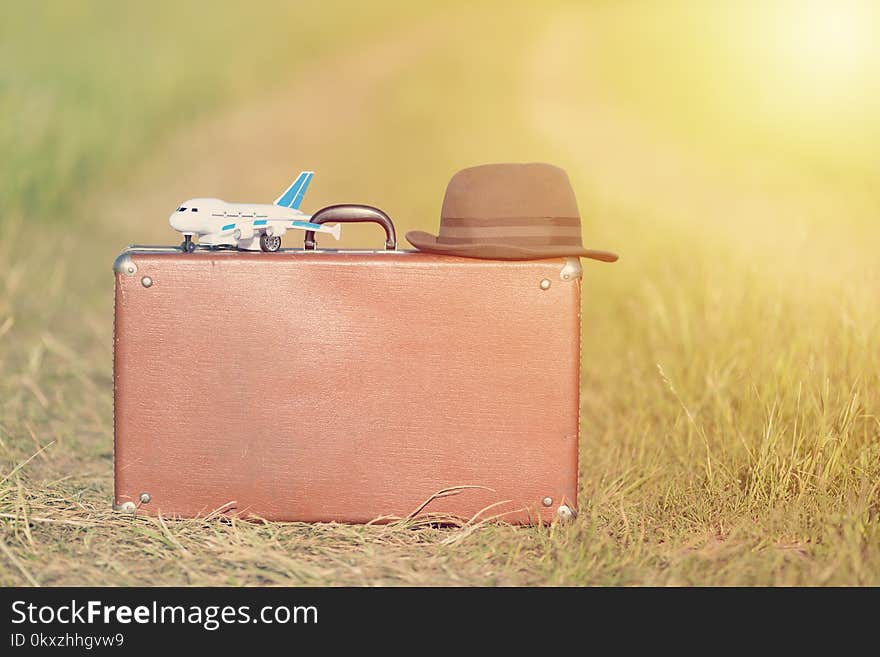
509 191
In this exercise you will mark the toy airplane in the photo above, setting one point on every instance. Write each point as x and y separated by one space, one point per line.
251 227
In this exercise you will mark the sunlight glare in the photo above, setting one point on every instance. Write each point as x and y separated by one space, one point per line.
825 44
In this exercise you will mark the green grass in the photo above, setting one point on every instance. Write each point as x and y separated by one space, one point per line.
731 380
87 89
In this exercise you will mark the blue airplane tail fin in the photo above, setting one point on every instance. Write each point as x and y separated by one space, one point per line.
294 194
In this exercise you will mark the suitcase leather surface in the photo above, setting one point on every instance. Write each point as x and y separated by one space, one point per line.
346 386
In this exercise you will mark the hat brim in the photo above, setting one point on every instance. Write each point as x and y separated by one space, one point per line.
426 242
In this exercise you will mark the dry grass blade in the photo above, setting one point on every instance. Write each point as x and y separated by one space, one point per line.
7 325
445 492
221 511
26 461
33 435
31 385
470 527
159 520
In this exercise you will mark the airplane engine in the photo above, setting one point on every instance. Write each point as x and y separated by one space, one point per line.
276 231
244 233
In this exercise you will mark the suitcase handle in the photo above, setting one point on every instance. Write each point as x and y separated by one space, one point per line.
348 214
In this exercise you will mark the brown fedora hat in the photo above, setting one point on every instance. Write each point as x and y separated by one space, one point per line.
509 212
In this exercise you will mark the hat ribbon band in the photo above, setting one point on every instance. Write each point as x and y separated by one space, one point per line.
511 231
510 221
543 240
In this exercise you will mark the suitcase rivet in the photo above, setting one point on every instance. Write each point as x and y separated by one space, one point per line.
545 284
571 270
145 498
547 501
146 281
565 513
125 265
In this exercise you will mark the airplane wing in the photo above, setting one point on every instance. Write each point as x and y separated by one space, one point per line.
273 228
334 230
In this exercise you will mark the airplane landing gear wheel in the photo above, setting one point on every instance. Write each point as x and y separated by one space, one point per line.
187 245
269 243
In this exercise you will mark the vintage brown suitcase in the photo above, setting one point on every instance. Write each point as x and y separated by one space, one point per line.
349 386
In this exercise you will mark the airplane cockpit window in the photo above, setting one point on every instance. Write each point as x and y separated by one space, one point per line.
181 209
195 209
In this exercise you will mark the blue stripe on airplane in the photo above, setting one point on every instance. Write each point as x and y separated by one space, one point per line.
306 224
289 197
260 222
301 192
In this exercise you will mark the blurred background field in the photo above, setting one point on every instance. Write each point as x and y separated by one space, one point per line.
729 151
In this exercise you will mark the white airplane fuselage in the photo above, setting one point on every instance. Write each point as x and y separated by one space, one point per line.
217 223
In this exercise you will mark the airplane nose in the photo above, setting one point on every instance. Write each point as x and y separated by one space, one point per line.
179 222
